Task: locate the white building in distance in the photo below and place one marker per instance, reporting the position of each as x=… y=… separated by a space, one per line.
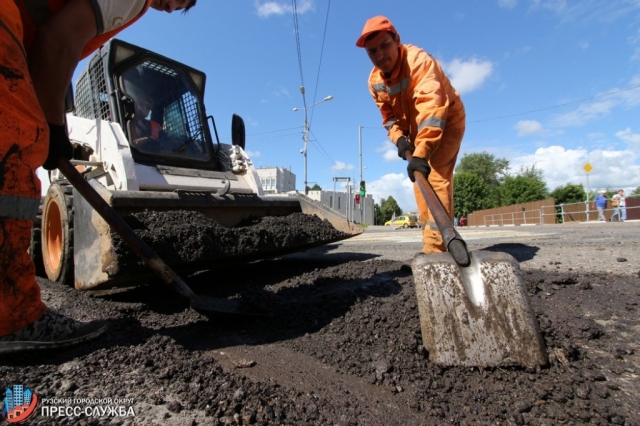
x=276 y=180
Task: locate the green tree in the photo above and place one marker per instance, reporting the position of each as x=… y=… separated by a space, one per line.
x=636 y=191
x=470 y=193
x=388 y=207
x=487 y=167
x=522 y=189
x=377 y=215
x=569 y=193
x=490 y=169
x=530 y=172
x=316 y=187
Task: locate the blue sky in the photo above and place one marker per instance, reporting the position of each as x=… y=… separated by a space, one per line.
x=553 y=83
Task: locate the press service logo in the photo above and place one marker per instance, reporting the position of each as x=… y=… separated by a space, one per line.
x=19 y=404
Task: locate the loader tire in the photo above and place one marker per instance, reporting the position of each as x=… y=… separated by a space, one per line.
x=35 y=245
x=57 y=232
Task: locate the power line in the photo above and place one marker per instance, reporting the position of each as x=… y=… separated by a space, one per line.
x=297 y=32
x=275 y=137
x=555 y=106
x=324 y=36
x=274 y=131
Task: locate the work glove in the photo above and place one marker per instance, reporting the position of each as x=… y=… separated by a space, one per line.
x=403 y=145
x=59 y=146
x=418 y=165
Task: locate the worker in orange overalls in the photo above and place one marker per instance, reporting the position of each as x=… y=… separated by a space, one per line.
x=41 y=43
x=421 y=111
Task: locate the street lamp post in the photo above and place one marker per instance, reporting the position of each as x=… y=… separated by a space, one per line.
x=363 y=201
x=305 y=132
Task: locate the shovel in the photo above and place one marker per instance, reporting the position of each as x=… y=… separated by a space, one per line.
x=474 y=308
x=202 y=304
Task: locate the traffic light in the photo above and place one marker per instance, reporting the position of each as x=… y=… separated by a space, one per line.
x=357 y=198
x=363 y=189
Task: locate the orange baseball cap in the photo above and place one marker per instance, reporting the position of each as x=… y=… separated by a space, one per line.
x=377 y=23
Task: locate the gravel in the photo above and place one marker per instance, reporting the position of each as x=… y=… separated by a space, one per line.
x=338 y=340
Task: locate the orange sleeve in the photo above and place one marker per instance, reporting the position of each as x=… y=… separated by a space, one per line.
x=95 y=43
x=431 y=103
x=388 y=117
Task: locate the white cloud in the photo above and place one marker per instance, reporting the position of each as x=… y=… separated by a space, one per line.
x=633 y=139
x=587 y=12
x=611 y=168
x=396 y=185
x=389 y=152
x=584 y=45
x=253 y=154
x=280 y=92
x=554 y=5
x=524 y=50
x=340 y=165
x=507 y=4
x=467 y=76
x=269 y=8
x=585 y=113
x=528 y=127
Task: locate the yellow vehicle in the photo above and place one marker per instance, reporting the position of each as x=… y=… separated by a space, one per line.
x=402 y=221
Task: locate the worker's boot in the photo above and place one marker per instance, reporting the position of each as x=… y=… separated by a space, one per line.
x=51 y=330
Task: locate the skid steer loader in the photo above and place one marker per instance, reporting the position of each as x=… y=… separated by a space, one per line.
x=142 y=138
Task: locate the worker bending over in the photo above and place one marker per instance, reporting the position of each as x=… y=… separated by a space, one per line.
x=41 y=43
x=422 y=113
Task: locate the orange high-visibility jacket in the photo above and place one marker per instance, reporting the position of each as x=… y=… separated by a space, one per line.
x=417 y=101
x=34 y=13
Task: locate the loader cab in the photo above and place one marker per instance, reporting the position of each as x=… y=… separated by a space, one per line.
x=157 y=101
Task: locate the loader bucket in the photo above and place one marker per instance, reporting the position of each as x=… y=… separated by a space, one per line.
x=98 y=264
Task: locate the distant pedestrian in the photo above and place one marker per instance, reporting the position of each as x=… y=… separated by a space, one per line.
x=619 y=204
x=455 y=221
x=600 y=203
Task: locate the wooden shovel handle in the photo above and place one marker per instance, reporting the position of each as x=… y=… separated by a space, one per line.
x=150 y=258
x=452 y=239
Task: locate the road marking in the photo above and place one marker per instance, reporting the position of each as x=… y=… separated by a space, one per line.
x=415 y=236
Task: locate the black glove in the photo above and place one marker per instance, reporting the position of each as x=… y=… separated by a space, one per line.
x=418 y=165
x=59 y=146
x=403 y=145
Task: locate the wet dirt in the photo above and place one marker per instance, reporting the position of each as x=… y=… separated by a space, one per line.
x=339 y=342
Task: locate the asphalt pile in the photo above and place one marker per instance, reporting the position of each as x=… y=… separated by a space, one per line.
x=340 y=344
x=186 y=237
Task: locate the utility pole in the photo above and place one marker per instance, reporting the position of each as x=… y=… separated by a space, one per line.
x=362 y=200
x=305 y=132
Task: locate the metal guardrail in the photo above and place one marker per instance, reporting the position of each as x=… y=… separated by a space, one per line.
x=571 y=212
x=585 y=213
x=526 y=217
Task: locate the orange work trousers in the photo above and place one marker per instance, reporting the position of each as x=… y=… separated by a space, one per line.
x=24 y=142
x=442 y=162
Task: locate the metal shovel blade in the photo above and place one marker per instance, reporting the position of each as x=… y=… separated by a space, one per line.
x=479 y=315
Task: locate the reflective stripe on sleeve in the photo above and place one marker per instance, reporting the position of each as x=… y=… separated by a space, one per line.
x=432 y=122
x=393 y=90
x=397 y=88
x=17 y=207
x=380 y=87
x=390 y=123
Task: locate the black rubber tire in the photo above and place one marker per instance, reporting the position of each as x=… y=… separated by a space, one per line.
x=57 y=233
x=35 y=245
x=405 y=226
